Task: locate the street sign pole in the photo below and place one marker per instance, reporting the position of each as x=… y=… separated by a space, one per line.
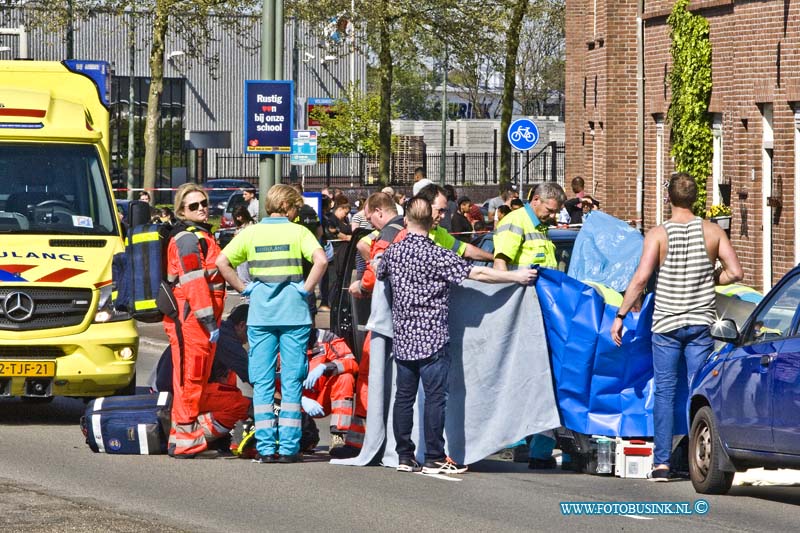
x=271 y=58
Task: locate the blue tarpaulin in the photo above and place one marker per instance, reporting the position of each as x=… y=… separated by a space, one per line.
x=607 y=250
x=601 y=388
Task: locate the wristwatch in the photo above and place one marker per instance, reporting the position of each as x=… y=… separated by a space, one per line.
x=622 y=316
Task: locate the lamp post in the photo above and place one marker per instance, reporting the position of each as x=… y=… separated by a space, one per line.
x=131 y=103
x=443 y=158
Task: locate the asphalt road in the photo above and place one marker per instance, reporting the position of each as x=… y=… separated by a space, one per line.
x=50 y=481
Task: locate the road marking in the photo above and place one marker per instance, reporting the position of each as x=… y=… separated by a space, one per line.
x=637 y=517
x=440 y=476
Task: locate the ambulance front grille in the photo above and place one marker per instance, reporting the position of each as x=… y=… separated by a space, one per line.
x=30 y=352
x=34 y=308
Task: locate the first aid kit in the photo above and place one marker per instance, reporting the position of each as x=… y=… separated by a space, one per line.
x=137 y=425
x=634 y=458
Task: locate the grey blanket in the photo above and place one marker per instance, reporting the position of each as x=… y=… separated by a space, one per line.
x=501 y=388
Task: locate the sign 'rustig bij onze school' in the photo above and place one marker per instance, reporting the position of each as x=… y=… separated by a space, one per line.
x=268 y=116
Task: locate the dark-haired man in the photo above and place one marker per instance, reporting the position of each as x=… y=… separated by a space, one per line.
x=249 y=197
x=437 y=198
x=685 y=249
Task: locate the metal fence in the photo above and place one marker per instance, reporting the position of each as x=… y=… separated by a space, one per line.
x=358 y=170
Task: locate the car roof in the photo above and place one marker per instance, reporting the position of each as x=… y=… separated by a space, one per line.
x=562 y=234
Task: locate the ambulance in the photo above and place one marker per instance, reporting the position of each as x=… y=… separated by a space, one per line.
x=60 y=334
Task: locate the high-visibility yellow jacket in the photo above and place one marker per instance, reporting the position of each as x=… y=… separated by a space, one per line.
x=524 y=240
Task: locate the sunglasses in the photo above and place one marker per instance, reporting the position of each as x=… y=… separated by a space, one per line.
x=194 y=206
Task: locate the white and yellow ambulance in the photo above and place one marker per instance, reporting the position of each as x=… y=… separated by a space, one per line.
x=59 y=230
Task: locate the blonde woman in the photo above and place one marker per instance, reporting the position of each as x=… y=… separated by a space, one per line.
x=279 y=319
x=193 y=332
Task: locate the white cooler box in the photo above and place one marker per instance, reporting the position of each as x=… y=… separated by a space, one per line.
x=634 y=458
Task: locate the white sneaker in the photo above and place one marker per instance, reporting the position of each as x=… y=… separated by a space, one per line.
x=337 y=441
x=448 y=466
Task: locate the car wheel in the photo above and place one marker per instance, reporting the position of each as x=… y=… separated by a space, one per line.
x=704 y=443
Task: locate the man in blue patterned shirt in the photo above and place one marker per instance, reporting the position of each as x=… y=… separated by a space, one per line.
x=420 y=273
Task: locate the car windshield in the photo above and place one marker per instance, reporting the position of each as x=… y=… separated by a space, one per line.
x=235 y=201
x=54 y=189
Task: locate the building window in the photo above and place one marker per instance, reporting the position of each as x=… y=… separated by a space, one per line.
x=767 y=157
x=796 y=182
x=661 y=198
x=585 y=83
x=716 y=159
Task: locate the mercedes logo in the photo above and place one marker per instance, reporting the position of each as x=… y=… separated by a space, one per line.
x=18 y=306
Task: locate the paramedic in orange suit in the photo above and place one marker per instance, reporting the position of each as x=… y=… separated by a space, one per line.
x=381 y=212
x=199 y=292
x=330 y=382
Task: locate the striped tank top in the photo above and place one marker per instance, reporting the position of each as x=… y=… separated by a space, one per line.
x=685 y=286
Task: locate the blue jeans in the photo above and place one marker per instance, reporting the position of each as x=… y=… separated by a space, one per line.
x=281 y=435
x=694 y=343
x=434 y=373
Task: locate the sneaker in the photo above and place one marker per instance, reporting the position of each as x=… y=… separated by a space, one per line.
x=543 y=464
x=337 y=441
x=345 y=452
x=409 y=464
x=447 y=466
x=288 y=459
x=266 y=459
x=659 y=474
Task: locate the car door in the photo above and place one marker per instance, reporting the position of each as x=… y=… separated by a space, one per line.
x=786 y=378
x=746 y=388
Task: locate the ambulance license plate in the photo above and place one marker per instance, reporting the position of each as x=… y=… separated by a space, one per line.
x=34 y=369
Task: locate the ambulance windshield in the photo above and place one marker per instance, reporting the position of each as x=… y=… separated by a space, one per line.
x=54 y=189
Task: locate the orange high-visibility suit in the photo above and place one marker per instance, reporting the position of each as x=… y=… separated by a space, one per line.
x=334 y=389
x=222 y=405
x=199 y=291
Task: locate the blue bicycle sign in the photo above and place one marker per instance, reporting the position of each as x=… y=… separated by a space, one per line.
x=523 y=134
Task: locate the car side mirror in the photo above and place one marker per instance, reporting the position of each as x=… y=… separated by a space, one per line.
x=725 y=330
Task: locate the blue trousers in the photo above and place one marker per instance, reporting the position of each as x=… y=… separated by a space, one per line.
x=278 y=435
x=434 y=373
x=694 y=343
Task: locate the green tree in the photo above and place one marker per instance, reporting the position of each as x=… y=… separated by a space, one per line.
x=690 y=83
x=541 y=64
x=413 y=98
x=509 y=85
x=351 y=126
x=398 y=30
x=192 y=21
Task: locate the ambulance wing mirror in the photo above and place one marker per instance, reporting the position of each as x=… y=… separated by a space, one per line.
x=138 y=213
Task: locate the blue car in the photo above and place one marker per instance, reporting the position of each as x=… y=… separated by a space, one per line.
x=744 y=409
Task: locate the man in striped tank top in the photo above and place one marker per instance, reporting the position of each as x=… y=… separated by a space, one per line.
x=684 y=250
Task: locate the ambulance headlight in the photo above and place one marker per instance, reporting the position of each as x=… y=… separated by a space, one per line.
x=105 y=308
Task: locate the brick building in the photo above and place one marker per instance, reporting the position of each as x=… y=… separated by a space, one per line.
x=755 y=111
